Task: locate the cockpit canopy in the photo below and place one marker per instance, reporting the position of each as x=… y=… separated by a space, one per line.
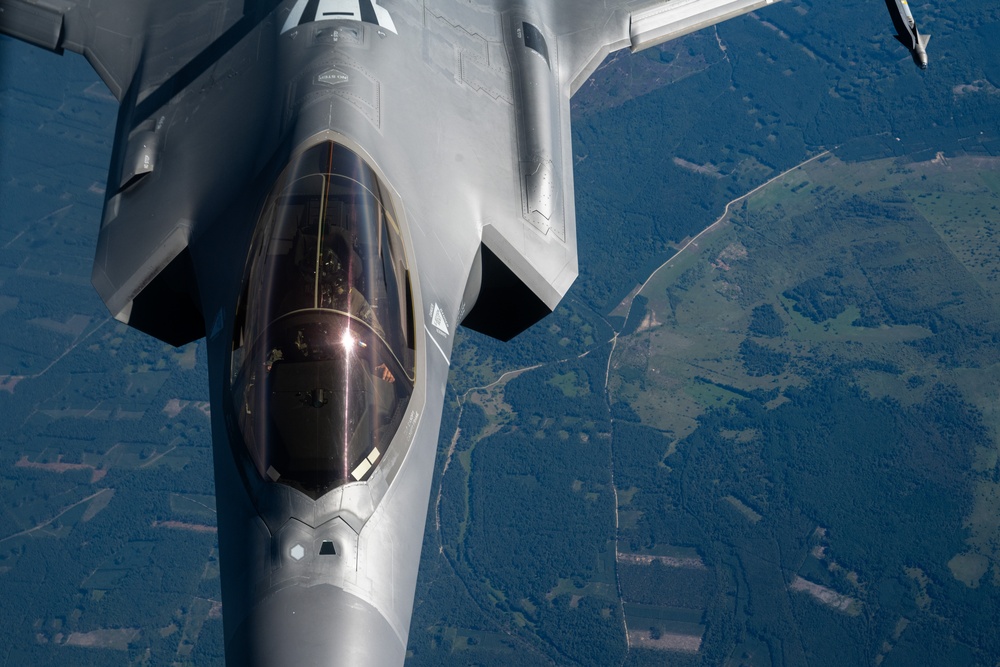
x=323 y=351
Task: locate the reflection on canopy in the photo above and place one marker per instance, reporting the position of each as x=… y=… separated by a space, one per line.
x=323 y=357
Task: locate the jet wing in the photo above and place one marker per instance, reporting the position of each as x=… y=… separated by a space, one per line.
x=104 y=37
x=517 y=65
x=517 y=68
x=591 y=29
x=116 y=36
x=147 y=53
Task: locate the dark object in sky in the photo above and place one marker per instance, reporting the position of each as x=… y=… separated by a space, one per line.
x=906 y=31
x=324 y=189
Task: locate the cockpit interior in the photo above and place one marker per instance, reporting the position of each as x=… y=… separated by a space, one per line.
x=323 y=350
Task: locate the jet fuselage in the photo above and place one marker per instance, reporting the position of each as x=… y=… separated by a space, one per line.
x=323 y=572
x=325 y=189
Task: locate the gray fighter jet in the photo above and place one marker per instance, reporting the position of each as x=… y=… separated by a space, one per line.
x=325 y=189
x=906 y=31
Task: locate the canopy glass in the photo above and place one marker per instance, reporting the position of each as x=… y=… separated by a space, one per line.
x=323 y=352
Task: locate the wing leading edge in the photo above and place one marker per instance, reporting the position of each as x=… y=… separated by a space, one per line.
x=669 y=20
x=591 y=29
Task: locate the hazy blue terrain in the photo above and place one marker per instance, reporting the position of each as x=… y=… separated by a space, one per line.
x=782 y=451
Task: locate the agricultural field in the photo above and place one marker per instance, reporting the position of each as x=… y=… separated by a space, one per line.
x=761 y=429
x=806 y=381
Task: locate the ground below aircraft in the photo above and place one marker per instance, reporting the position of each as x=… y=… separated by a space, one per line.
x=325 y=189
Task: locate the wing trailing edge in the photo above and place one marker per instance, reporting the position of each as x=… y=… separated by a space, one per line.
x=104 y=37
x=38 y=23
x=670 y=20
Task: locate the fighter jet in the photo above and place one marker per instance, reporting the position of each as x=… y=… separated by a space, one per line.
x=325 y=189
x=906 y=31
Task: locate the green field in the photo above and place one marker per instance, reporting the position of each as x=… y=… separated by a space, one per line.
x=785 y=454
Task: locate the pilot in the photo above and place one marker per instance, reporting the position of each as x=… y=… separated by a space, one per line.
x=340 y=270
x=384 y=395
x=382 y=371
x=273 y=357
x=301 y=344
